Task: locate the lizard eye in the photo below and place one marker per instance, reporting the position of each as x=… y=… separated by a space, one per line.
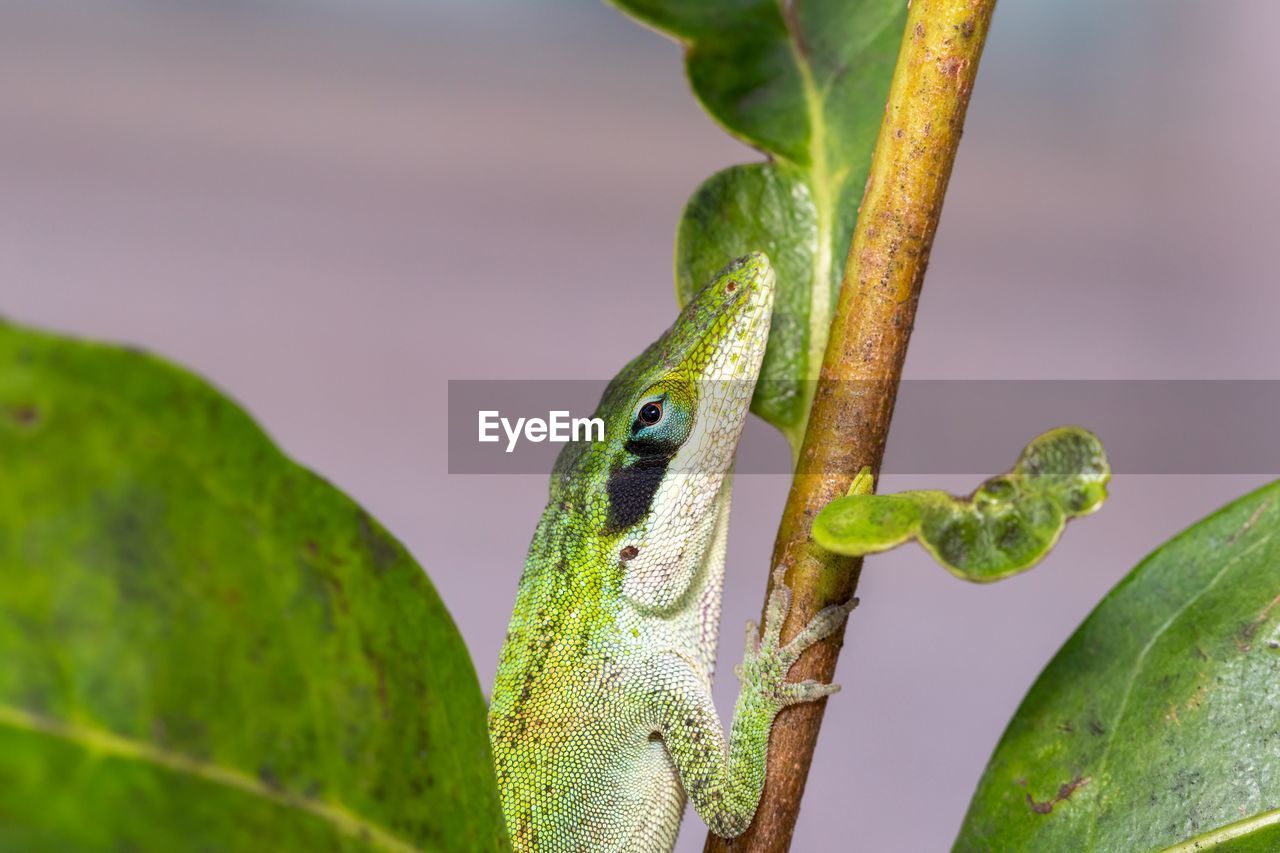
x=650 y=413
x=660 y=425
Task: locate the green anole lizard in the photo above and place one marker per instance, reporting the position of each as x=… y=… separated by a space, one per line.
x=601 y=719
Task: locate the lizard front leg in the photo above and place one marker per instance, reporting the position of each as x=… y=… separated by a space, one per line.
x=724 y=780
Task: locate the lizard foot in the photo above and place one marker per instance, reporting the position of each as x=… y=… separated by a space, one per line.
x=767 y=661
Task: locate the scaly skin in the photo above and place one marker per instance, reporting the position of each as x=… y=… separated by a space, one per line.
x=601 y=718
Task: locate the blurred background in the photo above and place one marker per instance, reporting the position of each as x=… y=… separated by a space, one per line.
x=332 y=208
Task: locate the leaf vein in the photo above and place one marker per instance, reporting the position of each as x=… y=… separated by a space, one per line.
x=1141 y=661
x=1230 y=832
x=104 y=742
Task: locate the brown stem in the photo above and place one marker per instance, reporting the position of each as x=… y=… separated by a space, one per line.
x=853 y=405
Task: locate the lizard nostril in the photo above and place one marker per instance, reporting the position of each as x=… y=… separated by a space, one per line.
x=731 y=286
x=628 y=553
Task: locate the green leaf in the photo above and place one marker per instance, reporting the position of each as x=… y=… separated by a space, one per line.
x=204 y=645
x=1006 y=526
x=805 y=82
x=1157 y=726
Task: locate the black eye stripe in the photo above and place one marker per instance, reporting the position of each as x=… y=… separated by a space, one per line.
x=651 y=451
x=631 y=490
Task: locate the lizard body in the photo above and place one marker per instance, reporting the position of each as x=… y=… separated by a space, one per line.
x=601 y=719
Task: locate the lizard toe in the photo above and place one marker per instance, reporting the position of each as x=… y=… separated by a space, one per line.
x=776 y=614
x=824 y=623
x=807 y=691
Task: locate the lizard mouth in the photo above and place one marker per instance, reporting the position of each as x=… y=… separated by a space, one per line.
x=733 y=345
x=724 y=361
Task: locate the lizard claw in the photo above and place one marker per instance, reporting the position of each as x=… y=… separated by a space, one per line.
x=768 y=661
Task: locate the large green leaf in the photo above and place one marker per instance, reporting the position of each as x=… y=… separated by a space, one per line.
x=1158 y=723
x=205 y=646
x=804 y=81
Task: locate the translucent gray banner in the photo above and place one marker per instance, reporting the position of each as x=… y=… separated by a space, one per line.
x=940 y=427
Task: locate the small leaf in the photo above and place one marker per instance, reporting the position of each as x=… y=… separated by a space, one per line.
x=1008 y=525
x=204 y=644
x=1157 y=726
x=805 y=82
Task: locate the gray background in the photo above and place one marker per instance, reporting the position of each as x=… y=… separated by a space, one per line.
x=330 y=209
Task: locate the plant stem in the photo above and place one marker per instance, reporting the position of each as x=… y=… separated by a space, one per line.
x=862 y=366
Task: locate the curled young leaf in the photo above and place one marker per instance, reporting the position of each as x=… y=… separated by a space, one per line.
x=1008 y=525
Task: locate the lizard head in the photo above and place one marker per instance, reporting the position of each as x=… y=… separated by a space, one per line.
x=672 y=421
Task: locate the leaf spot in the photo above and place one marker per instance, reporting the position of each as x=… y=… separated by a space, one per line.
x=1064 y=793
x=1245 y=642
x=1244 y=528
